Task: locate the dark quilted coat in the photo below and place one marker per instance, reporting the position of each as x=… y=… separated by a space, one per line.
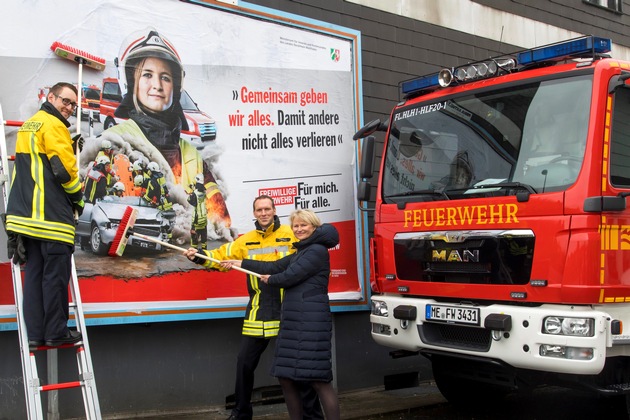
x=303 y=348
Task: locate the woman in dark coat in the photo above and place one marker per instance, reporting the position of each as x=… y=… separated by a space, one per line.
x=303 y=347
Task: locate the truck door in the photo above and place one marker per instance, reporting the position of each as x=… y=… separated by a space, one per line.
x=615 y=224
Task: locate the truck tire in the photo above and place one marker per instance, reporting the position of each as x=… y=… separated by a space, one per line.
x=109 y=123
x=461 y=390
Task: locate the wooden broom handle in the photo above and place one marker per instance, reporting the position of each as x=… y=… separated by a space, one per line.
x=205 y=257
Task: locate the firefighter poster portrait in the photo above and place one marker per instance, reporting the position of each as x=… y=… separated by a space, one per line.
x=196 y=109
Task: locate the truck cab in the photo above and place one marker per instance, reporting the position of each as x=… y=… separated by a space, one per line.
x=90 y=102
x=501 y=230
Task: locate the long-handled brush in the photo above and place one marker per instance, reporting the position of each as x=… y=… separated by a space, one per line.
x=81 y=58
x=125 y=230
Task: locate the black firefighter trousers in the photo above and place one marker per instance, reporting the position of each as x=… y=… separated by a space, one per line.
x=46 y=277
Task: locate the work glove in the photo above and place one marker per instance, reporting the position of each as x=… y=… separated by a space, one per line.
x=77 y=141
x=78 y=206
x=16 y=251
x=15 y=248
x=198 y=260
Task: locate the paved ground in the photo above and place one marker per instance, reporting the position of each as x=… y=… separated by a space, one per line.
x=372 y=403
x=424 y=402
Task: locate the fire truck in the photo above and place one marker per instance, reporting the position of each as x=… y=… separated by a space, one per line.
x=501 y=242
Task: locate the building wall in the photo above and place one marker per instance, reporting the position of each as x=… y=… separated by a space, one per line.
x=185 y=365
x=180 y=366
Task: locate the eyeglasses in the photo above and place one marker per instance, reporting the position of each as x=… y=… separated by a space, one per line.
x=67 y=101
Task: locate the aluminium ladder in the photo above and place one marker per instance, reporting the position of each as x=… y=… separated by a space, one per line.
x=32 y=386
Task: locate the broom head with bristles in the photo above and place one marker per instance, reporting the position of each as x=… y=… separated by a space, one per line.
x=78 y=56
x=122 y=234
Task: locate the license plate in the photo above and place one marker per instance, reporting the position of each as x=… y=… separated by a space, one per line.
x=143 y=244
x=452 y=314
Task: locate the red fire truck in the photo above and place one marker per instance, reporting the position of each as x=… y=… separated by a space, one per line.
x=501 y=243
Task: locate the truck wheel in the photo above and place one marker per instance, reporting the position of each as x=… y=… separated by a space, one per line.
x=109 y=123
x=464 y=391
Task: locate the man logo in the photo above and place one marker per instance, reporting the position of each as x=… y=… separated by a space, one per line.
x=454 y=255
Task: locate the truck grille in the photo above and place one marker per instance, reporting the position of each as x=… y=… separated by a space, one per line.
x=484 y=257
x=456 y=337
x=208 y=131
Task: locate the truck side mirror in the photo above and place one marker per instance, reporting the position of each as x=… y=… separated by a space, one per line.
x=367 y=129
x=367 y=158
x=364 y=191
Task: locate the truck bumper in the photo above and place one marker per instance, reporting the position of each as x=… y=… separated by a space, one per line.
x=511 y=334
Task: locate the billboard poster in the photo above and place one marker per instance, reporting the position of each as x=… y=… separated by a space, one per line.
x=251 y=101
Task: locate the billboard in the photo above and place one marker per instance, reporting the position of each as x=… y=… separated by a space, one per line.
x=265 y=103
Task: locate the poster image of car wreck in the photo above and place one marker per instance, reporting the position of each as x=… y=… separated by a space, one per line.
x=200 y=102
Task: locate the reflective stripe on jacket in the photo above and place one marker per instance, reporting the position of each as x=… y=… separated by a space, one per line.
x=45 y=181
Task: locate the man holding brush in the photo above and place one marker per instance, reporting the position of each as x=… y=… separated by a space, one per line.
x=270 y=241
x=45 y=193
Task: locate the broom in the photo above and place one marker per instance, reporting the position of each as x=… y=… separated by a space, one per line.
x=125 y=230
x=81 y=58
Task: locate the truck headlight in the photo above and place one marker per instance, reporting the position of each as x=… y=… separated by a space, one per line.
x=557 y=325
x=379 y=308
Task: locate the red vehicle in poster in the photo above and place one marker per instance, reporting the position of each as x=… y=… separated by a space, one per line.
x=202 y=128
x=501 y=227
x=90 y=102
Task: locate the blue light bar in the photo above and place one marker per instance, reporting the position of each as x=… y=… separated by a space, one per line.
x=556 y=52
x=421 y=83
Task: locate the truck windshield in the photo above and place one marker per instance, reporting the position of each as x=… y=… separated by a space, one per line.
x=187 y=103
x=496 y=142
x=92 y=94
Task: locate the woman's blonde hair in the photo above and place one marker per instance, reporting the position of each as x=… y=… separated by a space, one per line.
x=307 y=215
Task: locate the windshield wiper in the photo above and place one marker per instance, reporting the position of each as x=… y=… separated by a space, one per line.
x=521 y=196
x=520 y=185
x=439 y=193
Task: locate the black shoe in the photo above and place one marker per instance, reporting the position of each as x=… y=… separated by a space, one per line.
x=35 y=343
x=71 y=338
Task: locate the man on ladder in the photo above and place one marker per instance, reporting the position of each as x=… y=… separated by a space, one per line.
x=45 y=193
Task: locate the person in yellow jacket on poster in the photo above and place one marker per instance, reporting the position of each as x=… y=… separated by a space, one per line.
x=270 y=241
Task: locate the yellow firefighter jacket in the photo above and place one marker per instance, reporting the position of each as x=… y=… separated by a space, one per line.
x=45 y=181
x=262 y=317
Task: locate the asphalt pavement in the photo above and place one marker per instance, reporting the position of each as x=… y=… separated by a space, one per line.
x=424 y=402
x=364 y=404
